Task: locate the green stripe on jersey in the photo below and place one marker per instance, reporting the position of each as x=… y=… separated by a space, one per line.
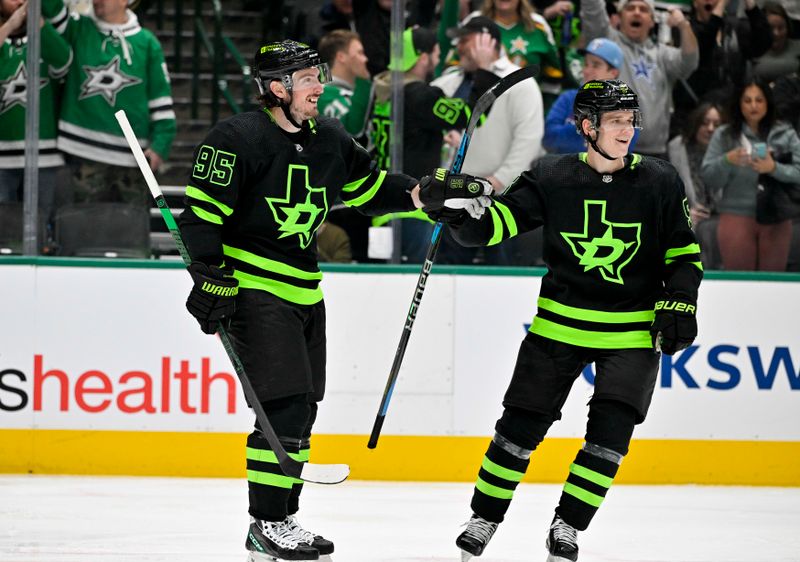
x=287 y=292
x=635 y=339
x=195 y=193
x=595 y=315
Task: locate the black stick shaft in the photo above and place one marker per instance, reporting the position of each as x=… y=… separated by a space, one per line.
x=483 y=103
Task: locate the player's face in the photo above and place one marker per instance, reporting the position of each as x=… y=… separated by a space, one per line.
x=306 y=90
x=615 y=133
x=636 y=20
x=595 y=68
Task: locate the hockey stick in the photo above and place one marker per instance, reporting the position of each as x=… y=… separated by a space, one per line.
x=483 y=103
x=317 y=473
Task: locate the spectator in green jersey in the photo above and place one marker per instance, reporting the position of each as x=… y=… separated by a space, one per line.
x=118 y=65
x=56 y=55
x=347 y=95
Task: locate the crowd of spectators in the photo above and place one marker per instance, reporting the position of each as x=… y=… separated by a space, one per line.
x=695 y=67
x=717 y=81
x=94 y=65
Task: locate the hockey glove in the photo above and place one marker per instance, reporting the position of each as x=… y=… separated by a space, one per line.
x=213 y=297
x=454 y=191
x=675 y=325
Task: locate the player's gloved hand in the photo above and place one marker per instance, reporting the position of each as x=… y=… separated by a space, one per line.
x=675 y=325
x=454 y=191
x=213 y=297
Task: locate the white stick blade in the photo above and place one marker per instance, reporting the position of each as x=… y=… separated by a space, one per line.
x=325 y=473
x=133 y=143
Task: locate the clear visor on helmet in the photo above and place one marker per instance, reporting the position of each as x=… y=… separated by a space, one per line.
x=621 y=120
x=310 y=77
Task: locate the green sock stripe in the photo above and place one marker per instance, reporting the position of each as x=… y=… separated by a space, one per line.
x=494 y=491
x=501 y=472
x=591 y=475
x=265 y=455
x=269 y=479
x=587 y=497
x=303 y=455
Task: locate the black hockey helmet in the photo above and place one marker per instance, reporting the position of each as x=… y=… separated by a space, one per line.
x=280 y=59
x=600 y=96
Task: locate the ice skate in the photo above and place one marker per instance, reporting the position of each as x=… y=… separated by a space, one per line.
x=562 y=542
x=270 y=541
x=323 y=545
x=474 y=539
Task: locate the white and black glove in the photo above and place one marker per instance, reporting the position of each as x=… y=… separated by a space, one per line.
x=451 y=197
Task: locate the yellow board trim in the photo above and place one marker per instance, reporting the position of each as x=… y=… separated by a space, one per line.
x=400 y=458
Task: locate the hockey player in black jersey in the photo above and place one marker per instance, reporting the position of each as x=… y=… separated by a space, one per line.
x=261 y=185
x=621 y=287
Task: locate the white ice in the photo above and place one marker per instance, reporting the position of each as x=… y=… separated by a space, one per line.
x=99 y=519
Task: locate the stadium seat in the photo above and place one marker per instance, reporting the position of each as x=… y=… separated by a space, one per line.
x=111 y=230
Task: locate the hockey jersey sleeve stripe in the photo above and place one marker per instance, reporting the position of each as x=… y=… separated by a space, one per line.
x=162 y=115
x=697 y=264
x=156 y=103
x=206 y=216
x=60 y=20
x=635 y=339
x=196 y=193
x=508 y=218
x=595 y=315
x=270 y=265
x=497 y=227
x=369 y=193
x=675 y=252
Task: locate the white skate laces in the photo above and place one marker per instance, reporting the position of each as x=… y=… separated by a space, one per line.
x=564 y=532
x=280 y=533
x=480 y=529
x=301 y=534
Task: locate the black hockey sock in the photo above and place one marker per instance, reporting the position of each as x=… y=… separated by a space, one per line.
x=269 y=489
x=501 y=471
x=590 y=477
x=293 y=503
x=305 y=450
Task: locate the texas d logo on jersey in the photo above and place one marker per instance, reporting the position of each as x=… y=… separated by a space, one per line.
x=604 y=246
x=301 y=218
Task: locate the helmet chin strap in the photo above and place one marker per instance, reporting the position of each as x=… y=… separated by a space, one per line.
x=600 y=151
x=288 y=113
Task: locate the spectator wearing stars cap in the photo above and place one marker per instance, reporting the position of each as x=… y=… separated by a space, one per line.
x=650 y=68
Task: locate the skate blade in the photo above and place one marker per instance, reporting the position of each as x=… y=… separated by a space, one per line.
x=258 y=557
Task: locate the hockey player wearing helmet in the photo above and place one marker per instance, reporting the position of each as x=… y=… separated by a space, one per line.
x=621 y=287
x=261 y=186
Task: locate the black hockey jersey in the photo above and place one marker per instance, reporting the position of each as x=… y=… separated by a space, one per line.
x=613 y=245
x=256 y=198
